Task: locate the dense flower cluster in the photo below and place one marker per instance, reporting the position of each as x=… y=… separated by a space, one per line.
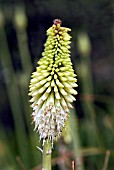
x=51 y=85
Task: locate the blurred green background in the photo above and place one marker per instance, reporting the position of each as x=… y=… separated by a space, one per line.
x=89 y=138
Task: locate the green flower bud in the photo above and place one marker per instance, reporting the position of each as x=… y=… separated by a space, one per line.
x=51 y=85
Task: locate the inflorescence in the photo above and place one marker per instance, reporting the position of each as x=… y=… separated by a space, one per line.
x=52 y=84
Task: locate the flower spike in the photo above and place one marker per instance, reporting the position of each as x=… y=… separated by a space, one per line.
x=51 y=85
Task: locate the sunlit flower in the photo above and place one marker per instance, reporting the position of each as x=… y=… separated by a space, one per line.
x=52 y=84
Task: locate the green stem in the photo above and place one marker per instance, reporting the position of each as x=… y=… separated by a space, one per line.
x=47 y=156
x=87 y=88
x=14 y=97
x=76 y=139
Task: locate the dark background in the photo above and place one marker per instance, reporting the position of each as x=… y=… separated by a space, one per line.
x=23 y=26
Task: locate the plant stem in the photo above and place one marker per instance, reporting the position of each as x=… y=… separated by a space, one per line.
x=14 y=97
x=47 y=156
x=76 y=140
